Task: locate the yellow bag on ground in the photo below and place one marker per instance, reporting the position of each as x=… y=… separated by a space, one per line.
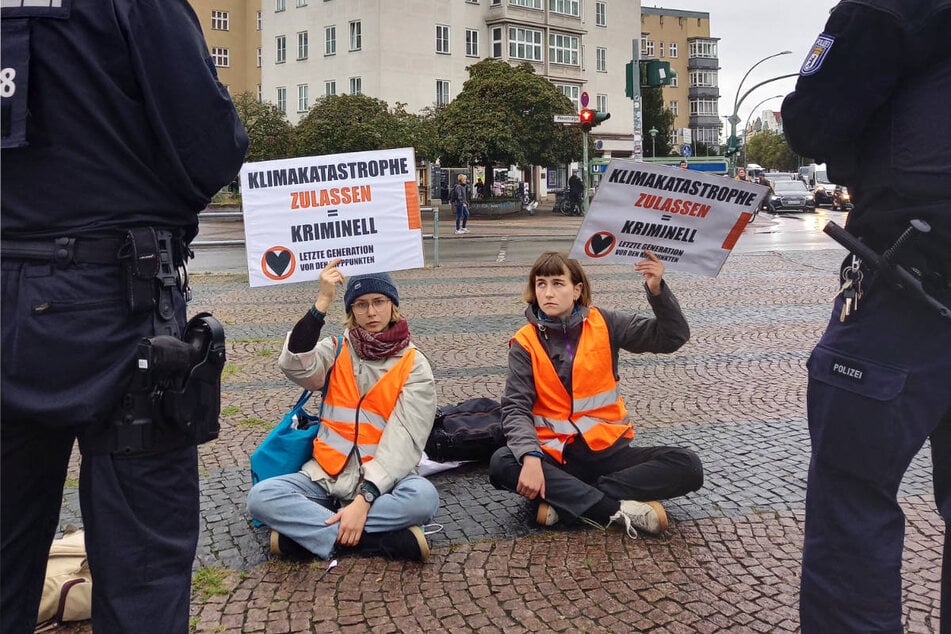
x=67 y=592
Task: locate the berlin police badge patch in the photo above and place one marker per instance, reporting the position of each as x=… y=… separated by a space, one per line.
x=817 y=54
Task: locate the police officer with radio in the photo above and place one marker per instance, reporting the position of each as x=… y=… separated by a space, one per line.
x=871 y=101
x=115 y=134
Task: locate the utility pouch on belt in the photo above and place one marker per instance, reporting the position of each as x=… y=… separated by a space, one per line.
x=174 y=396
x=148 y=271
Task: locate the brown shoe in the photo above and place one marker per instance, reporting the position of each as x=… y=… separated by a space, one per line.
x=283 y=546
x=546 y=515
x=649 y=517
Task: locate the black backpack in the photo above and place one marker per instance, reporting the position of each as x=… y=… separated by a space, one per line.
x=471 y=430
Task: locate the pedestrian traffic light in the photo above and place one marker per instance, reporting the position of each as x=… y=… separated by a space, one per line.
x=655 y=73
x=592 y=118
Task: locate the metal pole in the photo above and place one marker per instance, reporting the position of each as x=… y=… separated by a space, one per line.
x=734 y=119
x=638 y=153
x=587 y=179
x=746 y=126
x=435 y=235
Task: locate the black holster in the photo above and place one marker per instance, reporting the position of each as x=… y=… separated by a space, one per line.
x=174 y=394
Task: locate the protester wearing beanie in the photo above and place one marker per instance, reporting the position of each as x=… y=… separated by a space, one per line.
x=360 y=488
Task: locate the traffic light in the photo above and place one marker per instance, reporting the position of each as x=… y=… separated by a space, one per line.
x=655 y=73
x=733 y=146
x=592 y=118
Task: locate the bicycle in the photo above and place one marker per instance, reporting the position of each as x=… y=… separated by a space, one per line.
x=566 y=205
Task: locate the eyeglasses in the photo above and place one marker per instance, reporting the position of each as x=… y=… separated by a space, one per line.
x=363 y=306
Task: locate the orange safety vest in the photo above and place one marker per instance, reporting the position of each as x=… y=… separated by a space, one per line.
x=595 y=409
x=350 y=422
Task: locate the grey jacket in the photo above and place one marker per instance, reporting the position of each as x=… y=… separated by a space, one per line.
x=666 y=332
x=404 y=437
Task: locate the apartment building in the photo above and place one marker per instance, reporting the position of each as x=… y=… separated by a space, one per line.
x=232 y=31
x=683 y=39
x=416 y=51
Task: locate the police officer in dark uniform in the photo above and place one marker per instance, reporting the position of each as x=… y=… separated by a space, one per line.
x=872 y=102
x=115 y=134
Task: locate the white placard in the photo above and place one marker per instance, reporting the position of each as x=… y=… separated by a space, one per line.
x=301 y=213
x=689 y=219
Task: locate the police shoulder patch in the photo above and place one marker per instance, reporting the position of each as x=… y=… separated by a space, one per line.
x=817 y=54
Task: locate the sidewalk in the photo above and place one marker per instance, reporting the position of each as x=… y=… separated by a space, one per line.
x=735 y=394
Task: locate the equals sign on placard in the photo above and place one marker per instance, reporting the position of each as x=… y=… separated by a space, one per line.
x=666 y=217
x=333 y=213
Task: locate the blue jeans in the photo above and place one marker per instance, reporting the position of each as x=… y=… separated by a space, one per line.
x=462 y=215
x=297 y=507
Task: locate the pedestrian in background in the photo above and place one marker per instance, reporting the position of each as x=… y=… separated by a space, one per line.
x=360 y=487
x=459 y=197
x=568 y=436
x=116 y=133
x=879 y=378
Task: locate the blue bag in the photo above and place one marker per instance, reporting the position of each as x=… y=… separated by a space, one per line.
x=290 y=444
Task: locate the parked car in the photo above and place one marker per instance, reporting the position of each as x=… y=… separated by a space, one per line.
x=792 y=196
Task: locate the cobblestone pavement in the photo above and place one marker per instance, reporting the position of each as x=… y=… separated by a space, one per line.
x=735 y=393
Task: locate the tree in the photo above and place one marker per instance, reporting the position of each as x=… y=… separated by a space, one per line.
x=655 y=115
x=353 y=123
x=503 y=116
x=770 y=150
x=270 y=134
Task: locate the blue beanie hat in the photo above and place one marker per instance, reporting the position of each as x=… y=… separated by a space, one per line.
x=359 y=285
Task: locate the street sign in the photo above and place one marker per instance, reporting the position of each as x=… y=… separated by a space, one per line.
x=584 y=100
x=599 y=144
x=686 y=150
x=566 y=118
x=598 y=168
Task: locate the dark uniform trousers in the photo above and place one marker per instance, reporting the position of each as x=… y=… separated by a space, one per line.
x=879 y=387
x=68 y=340
x=622 y=472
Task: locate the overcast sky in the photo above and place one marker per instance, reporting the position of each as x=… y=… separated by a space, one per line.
x=748 y=32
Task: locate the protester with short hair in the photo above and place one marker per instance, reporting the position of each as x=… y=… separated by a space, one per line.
x=569 y=441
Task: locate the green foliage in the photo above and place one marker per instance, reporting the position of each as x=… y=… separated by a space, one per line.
x=656 y=115
x=270 y=134
x=356 y=123
x=503 y=116
x=209 y=582
x=770 y=150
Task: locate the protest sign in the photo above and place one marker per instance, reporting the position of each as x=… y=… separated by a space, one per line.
x=301 y=213
x=689 y=219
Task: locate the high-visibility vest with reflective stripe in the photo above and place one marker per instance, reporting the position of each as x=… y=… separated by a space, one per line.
x=352 y=422
x=595 y=409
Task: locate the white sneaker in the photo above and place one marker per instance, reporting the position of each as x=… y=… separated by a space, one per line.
x=649 y=517
x=464 y=230
x=546 y=515
x=459 y=231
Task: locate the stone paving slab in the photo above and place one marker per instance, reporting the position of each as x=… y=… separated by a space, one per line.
x=735 y=394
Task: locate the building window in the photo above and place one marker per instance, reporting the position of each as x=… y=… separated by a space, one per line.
x=303 y=98
x=602 y=103
x=525 y=44
x=472 y=43
x=260 y=94
x=260 y=20
x=531 y=4
x=330 y=88
x=330 y=40
x=703 y=78
x=647 y=48
x=442 y=92
x=356 y=86
x=280 y=5
x=442 y=38
x=601 y=59
x=302 y=45
x=563 y=49
x=356 y=36
x=302 y=3
x=674 y=108
x=600 y=14
x=703 y=48
x=220 y=21
x=472 y=1
x=660 y=49
x=281 y=55
x=672 y=49
x=674 y=81
x=221 y=57
x=573 y=93
x=260 y=57
x=497 y=43
x=566 y=7
x=703 y=107
x=282 y=99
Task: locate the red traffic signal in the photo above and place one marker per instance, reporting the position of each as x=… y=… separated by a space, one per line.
x=587 y=119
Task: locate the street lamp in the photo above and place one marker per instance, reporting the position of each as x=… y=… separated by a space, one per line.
x=746 y=126
x=733 y=118
x=653 y=133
